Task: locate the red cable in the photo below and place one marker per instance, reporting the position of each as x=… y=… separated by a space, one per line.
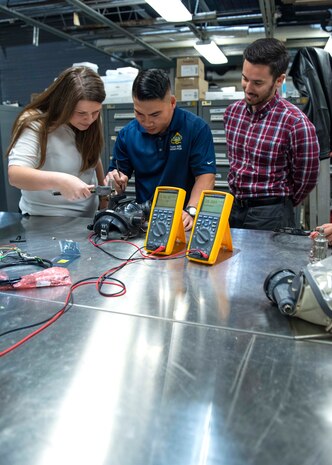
x=53 y=319
x=74 y=286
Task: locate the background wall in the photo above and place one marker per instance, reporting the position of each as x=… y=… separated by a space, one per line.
x=27 y=69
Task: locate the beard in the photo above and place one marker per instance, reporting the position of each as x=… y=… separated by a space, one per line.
x=254 y=100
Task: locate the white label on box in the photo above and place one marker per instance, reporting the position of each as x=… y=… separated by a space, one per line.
x=189 y=94
x=189 y=70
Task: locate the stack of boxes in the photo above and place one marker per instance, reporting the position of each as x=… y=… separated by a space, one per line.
x=118 y=84
x=189 y=82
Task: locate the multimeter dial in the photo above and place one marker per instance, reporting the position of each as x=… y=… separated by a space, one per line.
x=203 y=236
x=205 y=232
x=159 y=229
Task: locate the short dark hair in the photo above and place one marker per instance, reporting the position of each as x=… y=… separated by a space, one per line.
x=151 y=84
x=269 y=51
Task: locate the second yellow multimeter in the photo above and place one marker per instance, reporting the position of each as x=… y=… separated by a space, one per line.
x=211 y=229
x=165 y=222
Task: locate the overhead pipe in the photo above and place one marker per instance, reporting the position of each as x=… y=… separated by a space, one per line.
x=99 y=17
x=268 y=11
x=63 y=35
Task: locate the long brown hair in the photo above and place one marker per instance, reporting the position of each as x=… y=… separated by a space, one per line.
x=55 y=107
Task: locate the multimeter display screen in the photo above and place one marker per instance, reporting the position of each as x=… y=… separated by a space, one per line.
x=166 y=200
x=213 y=204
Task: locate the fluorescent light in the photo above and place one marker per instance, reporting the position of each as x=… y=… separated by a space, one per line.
x=328 y=46
x=211 y=51
x=76 y=19
x=172 y=11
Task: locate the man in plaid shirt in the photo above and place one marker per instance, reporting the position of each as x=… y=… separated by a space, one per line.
x=272 y=146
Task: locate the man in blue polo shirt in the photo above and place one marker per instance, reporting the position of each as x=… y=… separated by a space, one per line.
x=164 y=146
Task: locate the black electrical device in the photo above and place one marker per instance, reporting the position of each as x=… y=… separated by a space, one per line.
x=123 y=219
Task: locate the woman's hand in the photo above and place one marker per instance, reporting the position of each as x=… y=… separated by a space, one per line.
x=72 y=188
x=31 y=179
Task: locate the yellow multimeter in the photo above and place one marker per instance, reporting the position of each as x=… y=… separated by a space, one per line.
x=165 y=222
x=211 y=229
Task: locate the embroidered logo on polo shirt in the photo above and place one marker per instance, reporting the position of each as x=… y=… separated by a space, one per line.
x=176 y=139
x=176 y=142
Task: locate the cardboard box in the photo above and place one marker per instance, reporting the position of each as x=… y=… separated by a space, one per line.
x=191 y=88
x=117 y=91
x=190 y=67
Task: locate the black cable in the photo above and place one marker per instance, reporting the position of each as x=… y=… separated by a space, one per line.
x=111 y=294
x=128 y=260
x=105 y=251
x=41 y=262
x=70 y=302
x=67 y=307
x=39 y=323
x=33 y=325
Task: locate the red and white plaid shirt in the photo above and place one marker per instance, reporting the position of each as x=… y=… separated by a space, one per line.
x=272 y=152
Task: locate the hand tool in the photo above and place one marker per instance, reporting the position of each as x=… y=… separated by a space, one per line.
x=98 y=190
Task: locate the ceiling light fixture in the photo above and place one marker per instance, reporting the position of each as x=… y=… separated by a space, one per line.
x=328 y=46
x=172 y=11
x=76 y=19
x=210 y=50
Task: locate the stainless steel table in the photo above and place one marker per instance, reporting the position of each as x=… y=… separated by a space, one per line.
x=192 y=366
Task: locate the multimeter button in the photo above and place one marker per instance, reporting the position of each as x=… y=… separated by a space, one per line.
x=159 y=229
x=203 y=235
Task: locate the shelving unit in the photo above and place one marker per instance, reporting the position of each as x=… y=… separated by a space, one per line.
x=116 y=116
x=9 y=196
x=212 y=111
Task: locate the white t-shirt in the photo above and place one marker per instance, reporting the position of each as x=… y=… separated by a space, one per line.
x=61 y=156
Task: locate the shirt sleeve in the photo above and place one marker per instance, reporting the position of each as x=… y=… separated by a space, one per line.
x=26 y=151
x=203 y=158
x=305 y=167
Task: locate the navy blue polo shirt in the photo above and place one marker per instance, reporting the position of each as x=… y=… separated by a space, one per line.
x=173 y=158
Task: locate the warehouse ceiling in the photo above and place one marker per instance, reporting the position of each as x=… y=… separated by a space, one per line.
x=131 y=32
